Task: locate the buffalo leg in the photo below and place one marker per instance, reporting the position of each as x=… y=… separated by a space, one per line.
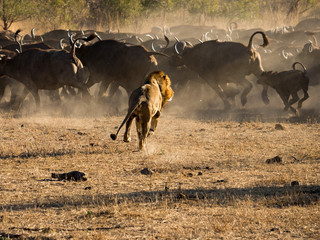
x=264 y=94
x=103 y=88
x=31 y=86
x=82 y=86
x=85 y=93
x=34 y=92
x=91 y=82
x=285 y=99
x=114 y=88
x=285 y=102
x=19 y=99
x=221 y=94
x=54 y=96
x=230 y=92
x=247 y=88
x=70 y=90
x=305 y=97
x=2 y=88
x=294 y=99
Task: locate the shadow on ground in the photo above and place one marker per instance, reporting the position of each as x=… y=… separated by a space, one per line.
x=252 y=114
x=277 y=197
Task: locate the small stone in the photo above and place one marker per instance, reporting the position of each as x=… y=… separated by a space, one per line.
x=70 y=176
x=200 y=173
x=275 y=230
x=220 y=181
x=276 y=159
x=146 y=171
x=278 y=126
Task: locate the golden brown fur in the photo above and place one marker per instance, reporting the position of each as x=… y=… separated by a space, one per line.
x=145 y=105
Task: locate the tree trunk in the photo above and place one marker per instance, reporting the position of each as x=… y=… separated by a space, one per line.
x=293 y=13
x=4 y=17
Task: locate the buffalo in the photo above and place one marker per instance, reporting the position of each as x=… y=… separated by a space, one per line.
x=220 y=63
x=111 y=61
x=288 y=83
x=45 y=69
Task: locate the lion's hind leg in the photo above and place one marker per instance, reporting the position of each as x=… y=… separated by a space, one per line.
x=154 y=123
x=127 y=133
x=143 y=123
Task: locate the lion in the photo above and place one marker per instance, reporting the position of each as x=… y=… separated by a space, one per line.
x=145 y=105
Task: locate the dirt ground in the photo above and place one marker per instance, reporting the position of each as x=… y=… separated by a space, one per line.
x=209 y=174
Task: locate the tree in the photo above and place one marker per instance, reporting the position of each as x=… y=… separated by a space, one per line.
x=13 y=11
x=57 y=13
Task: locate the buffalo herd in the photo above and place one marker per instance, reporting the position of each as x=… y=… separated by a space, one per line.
x=230 y=61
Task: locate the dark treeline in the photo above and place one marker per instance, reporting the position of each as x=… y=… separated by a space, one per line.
x=117 y=14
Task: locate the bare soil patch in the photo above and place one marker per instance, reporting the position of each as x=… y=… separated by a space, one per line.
x=208 y=178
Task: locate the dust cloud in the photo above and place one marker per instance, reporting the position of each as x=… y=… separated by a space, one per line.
x=195 y=99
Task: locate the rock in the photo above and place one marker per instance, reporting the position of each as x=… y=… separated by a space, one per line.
x=278 y=126
x=221 y=180
x=276 y=159
x=70 y=176
x=277 y=230
x=146 y=171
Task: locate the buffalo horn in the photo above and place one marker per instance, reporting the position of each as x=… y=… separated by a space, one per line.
x=284 y=54
x=32 y=34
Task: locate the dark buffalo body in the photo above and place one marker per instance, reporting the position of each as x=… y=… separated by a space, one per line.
x=44 y=69
x=288 y=83
x=220 y=63
x=311 y=59
x=115 y=62
x=24 y=47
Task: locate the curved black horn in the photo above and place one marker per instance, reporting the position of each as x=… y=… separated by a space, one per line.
x=18 y=41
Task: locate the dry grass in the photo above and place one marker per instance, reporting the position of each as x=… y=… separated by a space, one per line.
x=210 y=180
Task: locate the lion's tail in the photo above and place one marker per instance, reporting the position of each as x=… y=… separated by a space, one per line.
x=130 y=111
